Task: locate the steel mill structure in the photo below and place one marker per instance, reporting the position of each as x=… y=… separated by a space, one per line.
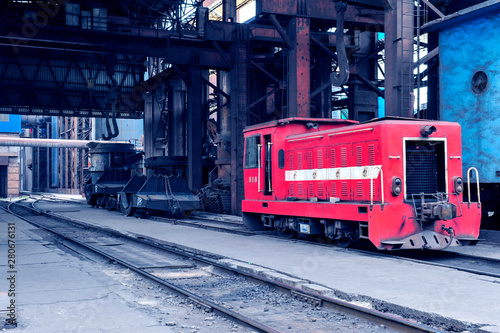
x=195 y=73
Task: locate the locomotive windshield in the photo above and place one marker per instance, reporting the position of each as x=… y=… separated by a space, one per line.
x=251 y=152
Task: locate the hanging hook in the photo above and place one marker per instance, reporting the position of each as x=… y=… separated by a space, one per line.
x=341 y=78
x=113 y=98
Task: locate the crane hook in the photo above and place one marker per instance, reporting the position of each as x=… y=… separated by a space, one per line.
x=115 y=132
x=341 y=78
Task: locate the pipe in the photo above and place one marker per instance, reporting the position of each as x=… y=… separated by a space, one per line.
x=50 y=143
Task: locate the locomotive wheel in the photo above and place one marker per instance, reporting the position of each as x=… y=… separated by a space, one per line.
x=343 y=242
x=290 y=234
x=126 y=205
x=91 y=198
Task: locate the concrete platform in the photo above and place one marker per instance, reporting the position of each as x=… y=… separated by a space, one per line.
x=57 y=292
x=380 y=282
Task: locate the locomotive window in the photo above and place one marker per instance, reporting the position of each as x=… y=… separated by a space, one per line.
x=281 y=158
x=251 y=152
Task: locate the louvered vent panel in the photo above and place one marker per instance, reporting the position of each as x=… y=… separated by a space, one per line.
x=320 y=159
x=321 y=189
x=290 y=161
x=343 y=157
x=299 y=161
x=345 y=189
x=333 y=192
x=371 y=154
x=300 y=189
x=359 y=156
x=332 y=157
x=359 y=189
x=291 y=192
x=310 y=159
x=311 y=190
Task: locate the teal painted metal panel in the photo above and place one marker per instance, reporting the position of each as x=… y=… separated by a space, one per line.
x=466 y=48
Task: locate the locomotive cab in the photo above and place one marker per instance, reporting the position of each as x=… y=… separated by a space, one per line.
x=395 y=182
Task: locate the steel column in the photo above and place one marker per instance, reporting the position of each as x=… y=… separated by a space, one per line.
x=299 y=73
x=363 y=101
x=433 y=81
x=321 y=85
x=195 y=121
x=229 y=10
x=152 y=120
x=224 y=124
x=239 y=107
x=399 y=33
x=177 y=118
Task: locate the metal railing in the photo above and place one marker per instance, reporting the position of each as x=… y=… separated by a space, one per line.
x=381 y=184
x=477 y=184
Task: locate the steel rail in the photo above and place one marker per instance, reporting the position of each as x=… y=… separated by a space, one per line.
x=208 y=305
x=457 y=268
x=380 y=254
x=371 y=315
x=203 y=226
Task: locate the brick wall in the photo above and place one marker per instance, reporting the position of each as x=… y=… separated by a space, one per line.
x=13 y=178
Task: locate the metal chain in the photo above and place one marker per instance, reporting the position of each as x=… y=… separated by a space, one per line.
x=167 y=185
x=168 y=190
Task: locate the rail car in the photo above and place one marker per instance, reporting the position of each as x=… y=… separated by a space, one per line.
x=117 y=183
x=394 y=182
x=165 y=190
x=111 y=167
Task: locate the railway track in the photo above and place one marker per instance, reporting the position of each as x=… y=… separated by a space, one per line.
x=255 y=302
x=448 y=259
x=478 y=265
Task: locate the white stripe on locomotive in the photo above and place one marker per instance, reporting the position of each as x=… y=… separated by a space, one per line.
x=349 y=173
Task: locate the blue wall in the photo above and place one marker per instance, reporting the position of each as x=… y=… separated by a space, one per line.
x=464 y=49
x=11 y=126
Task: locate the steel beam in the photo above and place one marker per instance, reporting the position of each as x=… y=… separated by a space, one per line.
x=281 y=31
x=299 y=73
x=195 y=120
x=173 y=48
x=355 y=16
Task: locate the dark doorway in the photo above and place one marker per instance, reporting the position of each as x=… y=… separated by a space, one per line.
x=3 y=181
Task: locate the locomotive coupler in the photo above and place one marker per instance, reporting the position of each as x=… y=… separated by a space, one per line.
x=437 y=210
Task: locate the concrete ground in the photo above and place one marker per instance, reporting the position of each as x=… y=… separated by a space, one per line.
x=382 y=282
x=57 y=292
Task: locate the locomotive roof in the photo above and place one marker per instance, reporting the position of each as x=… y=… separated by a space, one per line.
x=374 y=121
x=298 y=120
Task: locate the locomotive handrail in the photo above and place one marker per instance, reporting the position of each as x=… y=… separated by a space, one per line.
x=259 y=146
x=381 y=184
x=306 y=138
x=353 y=131
x=269 y=164
x=477 y=183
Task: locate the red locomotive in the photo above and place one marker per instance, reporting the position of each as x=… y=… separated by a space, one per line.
x=395 y=182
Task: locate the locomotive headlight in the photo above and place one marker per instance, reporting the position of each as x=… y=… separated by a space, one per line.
x=459 y=185
x=397 y=185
